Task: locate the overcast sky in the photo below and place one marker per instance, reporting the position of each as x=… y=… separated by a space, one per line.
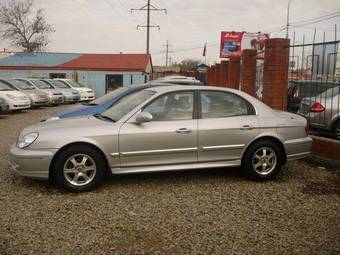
x=96 y=26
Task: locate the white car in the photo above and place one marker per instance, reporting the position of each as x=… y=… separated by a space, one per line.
x=86 y=94
x=15 y=99
x=180 y=80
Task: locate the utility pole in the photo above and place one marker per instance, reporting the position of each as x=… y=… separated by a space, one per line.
x=287 y=24
x=167 y=45
x=148 y=8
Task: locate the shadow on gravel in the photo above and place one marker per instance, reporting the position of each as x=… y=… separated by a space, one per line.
x=327 y=187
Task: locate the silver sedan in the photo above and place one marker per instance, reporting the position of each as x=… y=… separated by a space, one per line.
x=161 y=129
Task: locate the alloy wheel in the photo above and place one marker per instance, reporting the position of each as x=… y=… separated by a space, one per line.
x=264 y=160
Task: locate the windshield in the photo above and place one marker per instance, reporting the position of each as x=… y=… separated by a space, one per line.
x=22 y=85
x=5 y=87
x=75 y=84
x=60 y=84
x=109 y=96
x=127 y=104
x=331 y=92
x=42 y=84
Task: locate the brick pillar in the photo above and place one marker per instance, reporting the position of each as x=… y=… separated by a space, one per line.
x=224 y=73
x=217 y=74
x=208 y=76
x=213 y=71
x=275 y=73
x=234 y=73
x=248 y=71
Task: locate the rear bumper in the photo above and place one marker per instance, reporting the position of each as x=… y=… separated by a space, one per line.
x=31 y=163
x=298 y=148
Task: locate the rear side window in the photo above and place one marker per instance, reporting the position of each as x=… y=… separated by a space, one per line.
x=216 y=104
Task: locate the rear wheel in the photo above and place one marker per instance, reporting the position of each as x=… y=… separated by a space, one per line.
x=262 y=160
x=79 y=168
x=336 y=130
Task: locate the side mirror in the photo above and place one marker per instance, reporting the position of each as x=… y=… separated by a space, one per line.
x=143 y=117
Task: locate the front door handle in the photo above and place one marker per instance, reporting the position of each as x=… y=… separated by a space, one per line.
x=246 y=127
x=183 y=130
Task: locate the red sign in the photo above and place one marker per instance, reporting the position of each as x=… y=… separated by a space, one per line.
x=232 y=43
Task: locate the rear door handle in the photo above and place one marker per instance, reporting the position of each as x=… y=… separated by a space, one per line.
x=183 y=130
x=246 y=127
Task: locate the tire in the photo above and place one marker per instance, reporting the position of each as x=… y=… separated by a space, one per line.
x=79 y=168
x=336 y=130
x=268 y=166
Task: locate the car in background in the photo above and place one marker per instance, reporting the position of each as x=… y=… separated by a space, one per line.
x=100 y=104
x=86 y=94
x=163 y=128
x=297 y=90
x=4 y=107
x=14 y=98
x=323 y=111
x=55 y=96
x=70 y=95
x=37 y=97
x=180 y=80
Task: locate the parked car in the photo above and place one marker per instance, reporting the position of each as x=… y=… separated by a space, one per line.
x=86 y=94
x=159 y=129
x=54 y=96
x=301 y=89
x=98 y=105
x=37 y=97
x=4 y=107
x=180 y=80
x=323 y=111
x=14 y=98
x=70 y=95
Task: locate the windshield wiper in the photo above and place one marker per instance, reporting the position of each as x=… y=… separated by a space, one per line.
x=103 y=117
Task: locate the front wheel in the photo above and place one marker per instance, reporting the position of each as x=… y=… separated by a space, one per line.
x=336 y=130
x=262 y=160
x=79 y=168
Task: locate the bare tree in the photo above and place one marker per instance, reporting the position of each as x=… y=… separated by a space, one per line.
x=22 y=27
x=188 y=64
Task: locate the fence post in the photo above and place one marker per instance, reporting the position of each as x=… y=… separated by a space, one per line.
x=224 y=73
x=217 y=74
x=234 y=73
x=248 y=71
x=275 y=73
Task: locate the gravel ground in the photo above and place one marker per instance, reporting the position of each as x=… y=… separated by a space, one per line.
x=190 y=212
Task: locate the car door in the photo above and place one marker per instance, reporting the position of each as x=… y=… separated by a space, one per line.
x=227 y=123
x=169 y=138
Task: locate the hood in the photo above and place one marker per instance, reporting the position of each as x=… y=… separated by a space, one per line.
x=13 y=92
x=68 y=110
x=66 y=125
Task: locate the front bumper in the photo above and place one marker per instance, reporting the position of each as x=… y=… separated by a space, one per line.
x=86 y=97
x=56 y=99
x=31 y=163
x=19 y=105
x=39 y=102
x=4 y=108
x=298 y=148
x=73 y=98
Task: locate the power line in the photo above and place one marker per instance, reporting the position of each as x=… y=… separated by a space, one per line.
x=116 y=11
x=148 y=8
x=317 y=19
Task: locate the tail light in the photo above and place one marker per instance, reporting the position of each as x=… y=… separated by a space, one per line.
x=306 y=130
x=317 y=107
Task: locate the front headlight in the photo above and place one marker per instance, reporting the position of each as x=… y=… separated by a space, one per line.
x=53 y=118
x=11 y=97
x=27 y=140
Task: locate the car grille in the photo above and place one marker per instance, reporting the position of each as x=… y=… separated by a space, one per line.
x=57 y=94
x=74 y=93
x=42 y=96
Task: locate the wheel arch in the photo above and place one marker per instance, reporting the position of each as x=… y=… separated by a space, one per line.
x=51 y=168
x=271 y=139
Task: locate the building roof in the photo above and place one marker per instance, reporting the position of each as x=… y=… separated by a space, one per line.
x=76 y=61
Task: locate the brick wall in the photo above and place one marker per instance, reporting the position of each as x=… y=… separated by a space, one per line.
x=224 y=73
x=275 y=73
x=248 y=72
x=233 y=79
x=326 y=147
x=218 y=75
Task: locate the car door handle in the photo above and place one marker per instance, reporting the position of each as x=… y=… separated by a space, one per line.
x=183 y=130
x=246 y=127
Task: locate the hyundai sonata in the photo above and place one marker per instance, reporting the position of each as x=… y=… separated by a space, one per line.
x=161 y=129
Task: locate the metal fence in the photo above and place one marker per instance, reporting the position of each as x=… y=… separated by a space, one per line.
x=314 y=85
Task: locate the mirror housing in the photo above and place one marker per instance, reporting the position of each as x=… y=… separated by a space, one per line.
x=143 y=117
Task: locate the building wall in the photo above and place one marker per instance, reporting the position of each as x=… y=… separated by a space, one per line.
x=92 y=79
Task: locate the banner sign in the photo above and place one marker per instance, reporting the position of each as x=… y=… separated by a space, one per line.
x=232 y=43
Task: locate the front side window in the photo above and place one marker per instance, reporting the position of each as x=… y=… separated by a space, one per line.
x=216 y=104
x=172 y=106
x=22 y=85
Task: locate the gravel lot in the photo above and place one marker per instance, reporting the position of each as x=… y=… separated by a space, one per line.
x=191 y=212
